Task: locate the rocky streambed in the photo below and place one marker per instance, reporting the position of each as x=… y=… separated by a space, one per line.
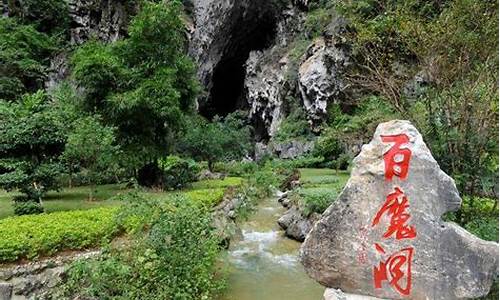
x=264 y=264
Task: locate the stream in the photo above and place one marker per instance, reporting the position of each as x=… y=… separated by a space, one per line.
x=264 y=264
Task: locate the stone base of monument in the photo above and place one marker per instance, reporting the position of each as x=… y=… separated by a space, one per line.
x=334 y=294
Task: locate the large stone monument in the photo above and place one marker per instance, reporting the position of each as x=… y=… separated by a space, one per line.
x=384 y=236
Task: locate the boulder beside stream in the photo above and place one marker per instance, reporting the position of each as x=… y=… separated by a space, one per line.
x=384 y=236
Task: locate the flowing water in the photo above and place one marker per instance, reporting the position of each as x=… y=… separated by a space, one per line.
x=264 y=264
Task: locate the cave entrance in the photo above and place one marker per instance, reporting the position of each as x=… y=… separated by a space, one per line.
x=255 y=29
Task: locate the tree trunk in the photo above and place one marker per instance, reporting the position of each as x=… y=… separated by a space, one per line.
x=91 y=193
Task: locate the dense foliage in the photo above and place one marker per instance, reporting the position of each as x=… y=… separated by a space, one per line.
x=24 y=57
x=32 y=136
x=174 y=259
x=143 y=85
x=221 y=140
x=90 y=148
x=432 y=62
x=177 y=172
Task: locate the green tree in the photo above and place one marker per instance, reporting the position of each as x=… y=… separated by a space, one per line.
x=32 y=136
x=50 y=16
x=90 y=148
x=216 y=141
x=24 y=58
x=143 y=85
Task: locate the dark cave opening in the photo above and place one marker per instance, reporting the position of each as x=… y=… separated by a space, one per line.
x=252 y=31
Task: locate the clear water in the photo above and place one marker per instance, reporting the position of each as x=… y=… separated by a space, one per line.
x=264 y=265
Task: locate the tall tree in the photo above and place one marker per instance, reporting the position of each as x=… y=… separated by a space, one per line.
x=144 y=85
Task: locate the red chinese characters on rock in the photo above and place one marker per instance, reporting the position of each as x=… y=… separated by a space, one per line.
x=395 y=205
x=397 y=159
x=396 y=269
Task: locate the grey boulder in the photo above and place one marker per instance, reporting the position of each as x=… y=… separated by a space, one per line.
x=365 y=245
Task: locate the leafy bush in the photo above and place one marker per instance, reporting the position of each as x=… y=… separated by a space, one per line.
x=295 y=126
x=90 y=149
x=217 y=183
x=46 y=234
x=206 y=197
x=27 y=208
x=221 y=140
x=175 y=259
x=315 y=200
x=177 y=172
x=479 y=216
x=236 y=168
x=484 y=227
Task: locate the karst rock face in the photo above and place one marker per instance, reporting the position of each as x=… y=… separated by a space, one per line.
x=106 y=20
x=261 y=37
x=384 y=235
x=320 y=75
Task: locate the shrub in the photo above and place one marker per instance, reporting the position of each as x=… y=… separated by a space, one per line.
x=177 y=172
x=220 y=140
x=315 y=200
x=27 y=208
x=46 y=234
x=236 y=168
x=217 y=183
x=32 y=136
x=293 y=127
x=206 y=197
x=175 y=259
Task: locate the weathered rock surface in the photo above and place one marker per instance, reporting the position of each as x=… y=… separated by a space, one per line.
x=106 y=20
x=333 y=294
x=36 y=280
x=296 y=225
x=284 y=150
x=446 y=262
x=266 y=82
x=320 y=75
x=5 y=291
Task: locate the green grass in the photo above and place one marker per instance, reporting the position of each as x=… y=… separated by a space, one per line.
x=72 y=222
x=75 y=198
x=320 y=177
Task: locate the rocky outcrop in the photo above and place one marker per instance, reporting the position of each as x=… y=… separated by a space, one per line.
x=384 y=236
x=264 y=84
x=284 y=150
x=221 y=28
x=106 y=20
x=295 y=224
x=267 y=84
x=333 y=294
x=224 y=217
x=320 y=75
